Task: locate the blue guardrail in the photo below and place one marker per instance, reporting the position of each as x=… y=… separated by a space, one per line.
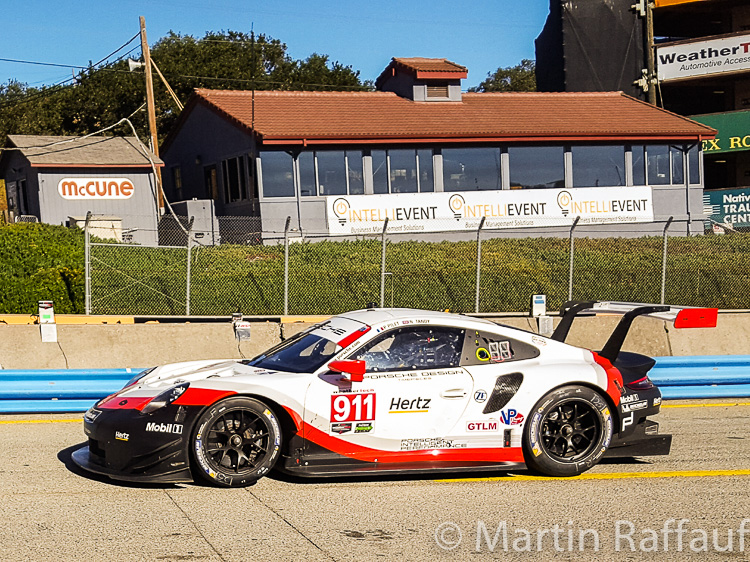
x=75 y=390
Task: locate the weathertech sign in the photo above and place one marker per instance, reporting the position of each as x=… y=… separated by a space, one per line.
x=95 y=188
x=703 y=58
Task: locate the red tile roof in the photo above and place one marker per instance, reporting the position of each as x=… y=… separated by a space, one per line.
x=375 y=117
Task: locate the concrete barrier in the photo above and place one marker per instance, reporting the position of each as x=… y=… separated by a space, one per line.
x=101 y=346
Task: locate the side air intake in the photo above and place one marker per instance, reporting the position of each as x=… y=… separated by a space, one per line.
x=506 y=387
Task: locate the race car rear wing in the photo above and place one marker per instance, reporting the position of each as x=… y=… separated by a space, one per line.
x=683 y=317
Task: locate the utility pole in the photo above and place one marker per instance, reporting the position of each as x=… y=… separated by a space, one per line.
x=151 y=110
x=650 y=66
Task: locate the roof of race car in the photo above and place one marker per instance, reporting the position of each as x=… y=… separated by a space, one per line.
x=372 y=316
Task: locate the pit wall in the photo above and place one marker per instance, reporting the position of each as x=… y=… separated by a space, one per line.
x=121 y=343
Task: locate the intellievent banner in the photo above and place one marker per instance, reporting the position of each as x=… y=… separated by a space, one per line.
x=527 y=208
x=724 y=55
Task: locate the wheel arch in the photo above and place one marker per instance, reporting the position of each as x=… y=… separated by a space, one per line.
x=599 y=390
x=288 y=426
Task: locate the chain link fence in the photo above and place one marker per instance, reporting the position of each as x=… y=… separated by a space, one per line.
x=232 y=265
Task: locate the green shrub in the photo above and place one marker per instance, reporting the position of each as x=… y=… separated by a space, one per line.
x=41 y=262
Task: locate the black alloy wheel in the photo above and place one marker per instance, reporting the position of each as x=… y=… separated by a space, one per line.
x=567 y=432
x=236 y=441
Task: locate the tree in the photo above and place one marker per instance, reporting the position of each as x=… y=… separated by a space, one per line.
x=103 y=95
x=519 y=78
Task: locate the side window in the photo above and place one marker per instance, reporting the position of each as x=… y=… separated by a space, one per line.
x=485 y=348
x=415 y=347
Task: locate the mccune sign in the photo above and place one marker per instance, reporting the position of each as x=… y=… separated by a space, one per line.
x=95 y=188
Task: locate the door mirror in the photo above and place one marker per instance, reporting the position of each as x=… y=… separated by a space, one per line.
x=355 y=369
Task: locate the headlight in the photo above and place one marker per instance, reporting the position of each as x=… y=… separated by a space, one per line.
x=91 y=414
x=165 y=398
x=138 y=377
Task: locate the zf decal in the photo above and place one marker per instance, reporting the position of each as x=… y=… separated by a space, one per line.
x=353 y=407
x=480 y=396
x=511 y=417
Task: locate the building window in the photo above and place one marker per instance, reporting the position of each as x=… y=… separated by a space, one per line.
x=424 y=166
x=639 y=165
x=211 y=183
x=657 y=164
x=379 y=171
x=437 y=91
x=471 y=169
x=235 y=179
x=277 y=172
x=307 y=175
x=598 y=166
x=355 y=172
x=694 y=165
x=177 y=181
x=678 y=171
x=533 y=167
x=402 y=171
x=331 y=172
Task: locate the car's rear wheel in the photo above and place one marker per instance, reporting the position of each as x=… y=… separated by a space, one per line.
x=236 y=441
x=568 y=432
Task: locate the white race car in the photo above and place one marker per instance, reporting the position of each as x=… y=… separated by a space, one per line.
x=389 y=391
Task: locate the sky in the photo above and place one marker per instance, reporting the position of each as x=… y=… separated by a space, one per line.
x=481 y=35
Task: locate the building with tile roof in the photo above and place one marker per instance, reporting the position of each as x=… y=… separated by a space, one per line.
x=58 y=180
x=340 y=162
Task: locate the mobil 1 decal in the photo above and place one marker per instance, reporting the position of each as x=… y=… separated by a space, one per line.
x=349 y=409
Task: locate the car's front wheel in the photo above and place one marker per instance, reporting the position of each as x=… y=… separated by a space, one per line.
x=235 y=442
x=568 y=432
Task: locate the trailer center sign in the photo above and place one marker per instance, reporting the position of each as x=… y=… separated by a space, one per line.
x=95 y=188
x=692 y=59
x=456 y=211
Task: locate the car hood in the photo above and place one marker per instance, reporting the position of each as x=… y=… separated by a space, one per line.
x=168 y=375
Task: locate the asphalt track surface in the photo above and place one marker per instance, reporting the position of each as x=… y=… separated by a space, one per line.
x=52 y=511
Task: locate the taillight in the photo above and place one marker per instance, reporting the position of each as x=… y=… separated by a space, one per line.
x=641 y=384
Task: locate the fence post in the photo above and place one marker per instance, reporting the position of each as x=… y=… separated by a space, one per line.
x=382 y=265
x=479 y=263
x=286 y=265
x=572 y=254
x=87 y=259
x=664 y=261
x=189 y=264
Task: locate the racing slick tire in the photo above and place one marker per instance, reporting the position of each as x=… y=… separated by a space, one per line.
x=568 y=432
x=235 y=442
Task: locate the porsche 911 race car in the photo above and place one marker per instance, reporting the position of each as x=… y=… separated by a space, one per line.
x=389 y=391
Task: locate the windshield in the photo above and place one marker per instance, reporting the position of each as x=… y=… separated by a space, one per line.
x=304 y=353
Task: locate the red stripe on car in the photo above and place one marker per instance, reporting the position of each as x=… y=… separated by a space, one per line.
x=614 y=378
x=354 y=336
x=345 y=448
x=201 y=396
